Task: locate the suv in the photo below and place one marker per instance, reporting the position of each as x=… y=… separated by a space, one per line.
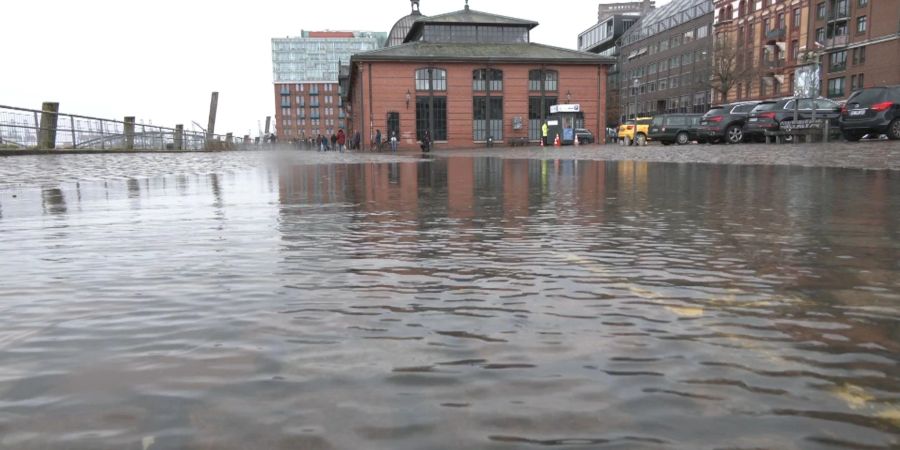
x=872 y=111
x=725 y=122
x=769 y=115
x=629 y=133
x=584 y=136
x=674 y=128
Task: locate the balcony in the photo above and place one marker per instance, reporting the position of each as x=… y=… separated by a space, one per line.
x=841 y=14
x=837 y=41
x=774 y=64
x=775 y=35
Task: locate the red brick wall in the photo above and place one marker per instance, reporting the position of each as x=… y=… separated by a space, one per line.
x=391 y=80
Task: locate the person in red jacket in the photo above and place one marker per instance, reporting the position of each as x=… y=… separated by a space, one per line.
x=341 y=139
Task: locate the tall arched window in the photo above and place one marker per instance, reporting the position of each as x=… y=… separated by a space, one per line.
x=546 y=83
x=487 y=106
x=431 y=109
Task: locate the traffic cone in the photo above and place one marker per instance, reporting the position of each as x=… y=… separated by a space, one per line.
x=544 y=138
x=556 y=142
x=576 y=141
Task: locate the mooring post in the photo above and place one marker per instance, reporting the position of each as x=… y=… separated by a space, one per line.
x=179 y=137
x=229 y=141
x=129 y=133
x=47 y=133
x=211 y=126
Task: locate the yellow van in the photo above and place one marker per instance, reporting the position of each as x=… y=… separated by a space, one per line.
x=631 y=133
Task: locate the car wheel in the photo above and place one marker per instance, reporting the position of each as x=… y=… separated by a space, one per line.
x=894 y=130
x=640 y=139
x=682 y=138
x=734 y=134
x=851 y=136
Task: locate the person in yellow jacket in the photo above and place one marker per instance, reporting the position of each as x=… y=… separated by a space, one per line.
x=544 y=130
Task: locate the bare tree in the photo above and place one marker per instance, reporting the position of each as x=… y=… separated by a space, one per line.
x=730 y=65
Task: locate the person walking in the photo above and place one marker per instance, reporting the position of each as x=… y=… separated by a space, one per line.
x=341 y=140
x=426 y=142
x=378 y=140
x=544 y=130
x=394 y=141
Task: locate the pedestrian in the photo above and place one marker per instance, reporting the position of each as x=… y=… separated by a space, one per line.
x=394 y=141
x=356 y=138
x=333 y=141
x=544 y=130
x=341 y=140
x=378 y=140
x=426 y=142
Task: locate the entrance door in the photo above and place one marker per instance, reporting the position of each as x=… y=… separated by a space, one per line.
x=393 y=124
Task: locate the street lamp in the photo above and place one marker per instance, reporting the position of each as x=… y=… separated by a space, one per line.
x=568 y=96
x=407 y=98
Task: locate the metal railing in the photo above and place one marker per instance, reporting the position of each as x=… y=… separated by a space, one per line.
x=21 y=128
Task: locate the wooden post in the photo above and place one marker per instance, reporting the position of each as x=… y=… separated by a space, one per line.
x=211 y=126
x=47 y=133
x=179 y=137
x=268 y=122
x=129 y=133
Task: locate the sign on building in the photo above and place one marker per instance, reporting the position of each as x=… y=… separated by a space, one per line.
x=565 y=108
x=807 y=83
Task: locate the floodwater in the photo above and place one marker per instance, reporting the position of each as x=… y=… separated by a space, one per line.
x=469 y=302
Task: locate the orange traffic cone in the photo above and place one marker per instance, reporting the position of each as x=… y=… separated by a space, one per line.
x=544 y=138
x=576 y=141
x=556 y=142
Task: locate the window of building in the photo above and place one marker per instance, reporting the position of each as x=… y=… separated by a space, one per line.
x=286 y=112
x=431 y=78
x=702 y=32
x=781 y=23
x=820 y=10
x=301 y=101
x=487 y=78
x=487 y=118
x=314 y=102
x=820 y=35
x=551 y=80
x=285 y=102
x=795 y=50
x=863 y=3
x=663 y=45
x=836 y=87
x=842 y=8
x=663 y=84
x=688 y=36
x=431 y=110
x=862 y=55
x=314 y=89
x=301 y=113
x=838 y=61
x=861 y=24
x=796 y=18
x=534 y=115
x=285 y=89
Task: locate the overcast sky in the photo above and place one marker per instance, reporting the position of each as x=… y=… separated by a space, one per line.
x=159 y=60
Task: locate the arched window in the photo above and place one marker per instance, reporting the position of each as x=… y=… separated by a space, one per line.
x=550 y=80
x=431 y=78
x=482 y=78
x=742 y=8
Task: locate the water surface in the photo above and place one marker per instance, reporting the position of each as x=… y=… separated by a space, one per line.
x=468 y=302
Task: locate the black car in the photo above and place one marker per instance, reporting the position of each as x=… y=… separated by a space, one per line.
x=873 y=111
x=725 y=123
x=674 y=128
x=584 y=136
x=769 y=115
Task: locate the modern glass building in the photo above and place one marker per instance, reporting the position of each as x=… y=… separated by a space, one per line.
x=305 y=71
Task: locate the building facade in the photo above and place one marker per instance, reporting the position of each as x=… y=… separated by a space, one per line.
x=602 y=38
x=468 y=77
x=768 y=38
x=305 y=73
x=858 y=43
x=664 y=60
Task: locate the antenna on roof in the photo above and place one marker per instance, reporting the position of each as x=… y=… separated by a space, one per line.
x=467 y=5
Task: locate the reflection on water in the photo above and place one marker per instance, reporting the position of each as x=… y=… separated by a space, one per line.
x=453 y=303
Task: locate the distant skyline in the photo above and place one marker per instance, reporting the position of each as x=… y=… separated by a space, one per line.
x=160 y=61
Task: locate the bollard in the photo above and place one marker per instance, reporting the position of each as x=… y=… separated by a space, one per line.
x=179 y=137
x=825 y=132
x=47 y=133
x=129 y=133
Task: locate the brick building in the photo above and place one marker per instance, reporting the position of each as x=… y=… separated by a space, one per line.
x=305 y=74
x=859 y=43
x=467 y=76
x=664 y=60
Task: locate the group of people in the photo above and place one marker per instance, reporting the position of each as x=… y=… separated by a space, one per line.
x=340 y=142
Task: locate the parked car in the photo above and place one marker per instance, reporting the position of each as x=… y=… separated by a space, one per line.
x=584 y=136
x=632 y=132
x=770 y=115
x=674 y=128
x=873 y=110
x=725 y=123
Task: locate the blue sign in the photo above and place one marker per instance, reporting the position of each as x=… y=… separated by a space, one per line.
x=568 y=134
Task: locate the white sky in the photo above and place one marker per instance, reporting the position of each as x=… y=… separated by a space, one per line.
x=160 y=60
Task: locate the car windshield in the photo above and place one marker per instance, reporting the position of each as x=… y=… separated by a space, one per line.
x=763 y=107
x=714 y=111
x=868 y=97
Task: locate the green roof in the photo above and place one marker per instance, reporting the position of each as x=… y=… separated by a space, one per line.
x=521 y=52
